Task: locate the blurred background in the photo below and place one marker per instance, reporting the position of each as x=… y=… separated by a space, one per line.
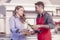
x=7 y=6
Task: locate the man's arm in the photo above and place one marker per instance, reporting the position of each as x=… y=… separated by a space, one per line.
x=50 y=23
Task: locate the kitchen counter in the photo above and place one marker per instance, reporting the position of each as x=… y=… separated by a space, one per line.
x=34 y=37
x=7 y=37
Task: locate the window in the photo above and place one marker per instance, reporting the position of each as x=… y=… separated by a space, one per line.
x=2 y=18
x=31 y=17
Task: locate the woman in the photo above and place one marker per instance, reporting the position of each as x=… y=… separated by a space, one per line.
x=17 y=28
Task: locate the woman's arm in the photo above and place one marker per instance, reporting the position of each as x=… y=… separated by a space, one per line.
x=13 y=27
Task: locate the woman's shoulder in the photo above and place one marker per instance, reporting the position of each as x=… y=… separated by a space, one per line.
x=12 y=18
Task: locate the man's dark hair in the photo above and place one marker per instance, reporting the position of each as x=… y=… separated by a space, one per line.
x=40 y=3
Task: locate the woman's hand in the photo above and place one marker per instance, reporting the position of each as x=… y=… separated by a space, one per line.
x=25 y=32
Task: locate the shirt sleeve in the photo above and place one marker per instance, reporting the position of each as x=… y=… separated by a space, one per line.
x=13 y=27
x=50 y=22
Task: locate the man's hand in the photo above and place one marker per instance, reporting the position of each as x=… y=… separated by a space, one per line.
x=35 y=27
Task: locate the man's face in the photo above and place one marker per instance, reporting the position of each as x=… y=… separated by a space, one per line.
x=38 y=8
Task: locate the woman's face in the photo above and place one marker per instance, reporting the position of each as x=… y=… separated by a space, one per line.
x=20 y=12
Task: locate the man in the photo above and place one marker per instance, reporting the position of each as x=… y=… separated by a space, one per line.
x=43 y=21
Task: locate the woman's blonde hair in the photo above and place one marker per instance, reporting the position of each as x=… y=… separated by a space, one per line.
x=16 y=8
x=22 y=18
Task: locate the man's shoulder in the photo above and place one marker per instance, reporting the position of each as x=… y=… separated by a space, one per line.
x=47 y=14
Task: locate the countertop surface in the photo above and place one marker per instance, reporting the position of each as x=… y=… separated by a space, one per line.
x=54 y=36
